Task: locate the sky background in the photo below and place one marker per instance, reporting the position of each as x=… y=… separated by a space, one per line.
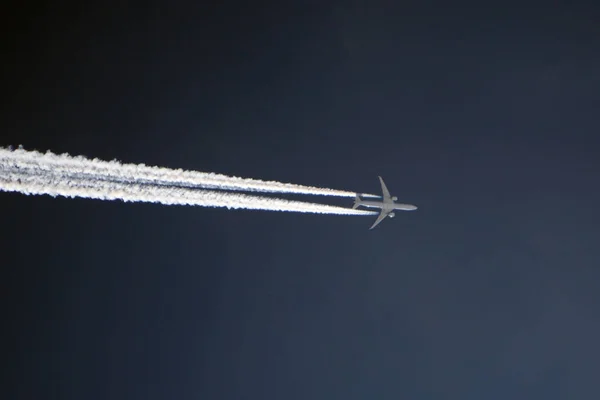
x=487 y=119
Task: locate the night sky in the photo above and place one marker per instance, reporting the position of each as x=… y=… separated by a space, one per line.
x=486 y=118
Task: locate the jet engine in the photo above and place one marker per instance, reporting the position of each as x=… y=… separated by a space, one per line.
x=392 y=215
x=395 y=198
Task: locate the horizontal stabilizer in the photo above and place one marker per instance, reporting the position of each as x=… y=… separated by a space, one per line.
x=356 y=201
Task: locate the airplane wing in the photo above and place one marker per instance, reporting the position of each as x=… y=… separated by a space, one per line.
x=384 y=190
x=380 y=218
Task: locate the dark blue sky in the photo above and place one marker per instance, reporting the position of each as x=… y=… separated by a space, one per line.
x=487 y=119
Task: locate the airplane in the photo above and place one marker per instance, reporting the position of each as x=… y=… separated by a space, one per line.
x=387 y=206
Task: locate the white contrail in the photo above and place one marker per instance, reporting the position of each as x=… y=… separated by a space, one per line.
x=32 y=181
x=82 y=167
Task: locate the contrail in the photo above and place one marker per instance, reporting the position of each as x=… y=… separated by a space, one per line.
x=18 y=175
x=82 y=167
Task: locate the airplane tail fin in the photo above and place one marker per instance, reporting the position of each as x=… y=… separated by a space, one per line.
x=356 y=201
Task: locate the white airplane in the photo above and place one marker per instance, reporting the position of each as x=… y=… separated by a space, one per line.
x=387 y=206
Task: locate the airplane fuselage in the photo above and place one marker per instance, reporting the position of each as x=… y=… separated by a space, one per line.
x=387 y=206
